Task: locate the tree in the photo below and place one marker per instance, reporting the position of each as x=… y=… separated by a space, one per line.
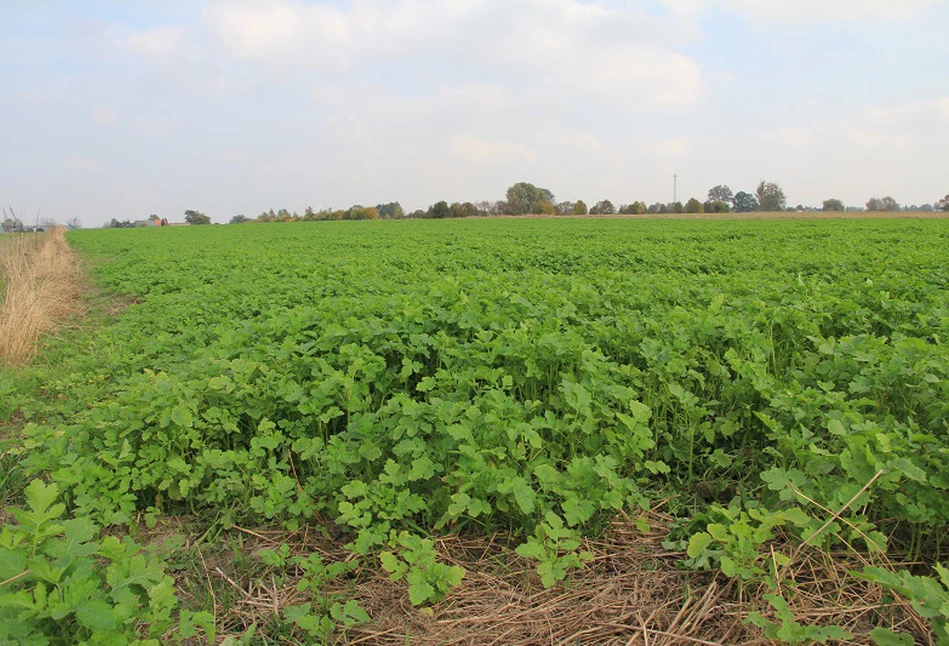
x=239 y=219
x=770 y=197
x=635 y=208
x=720 y=193
x=439 y=210
x=524 y=198
x=676 y=207
x=546 y=207
x=196 y=217
x=658 y=208
x=564 y=208
x=390 y=211
x=744 y=202
x=360 y=212
x=486 y=208
x=73 y=224
x=833 y=204
x=694 y=206
x=580 y=208
x=463 y=210
x=885 y=204
x=716 y=206
x=942 y=205
x=603 y=207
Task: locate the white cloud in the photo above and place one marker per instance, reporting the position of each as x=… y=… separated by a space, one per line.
x=793 y=138
x=161 y=41
x=104 y=117
x=876 y=138
x=577 y=141
x=81 y=163
x=937 y=109
x=563 y=49
x=473 y=148
x=815 y=11
x=283 y=31
x=34 y=97
x=671 y=147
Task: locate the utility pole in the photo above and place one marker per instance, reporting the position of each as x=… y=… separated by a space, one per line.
x=675 y=189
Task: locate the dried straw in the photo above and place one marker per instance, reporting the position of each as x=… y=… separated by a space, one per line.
x=633 y=592
x=42 y=286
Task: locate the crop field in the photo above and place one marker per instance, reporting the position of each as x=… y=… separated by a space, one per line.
x=770 y=388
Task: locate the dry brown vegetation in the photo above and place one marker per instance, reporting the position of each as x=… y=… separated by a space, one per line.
x=41 y=287
x=633 y=592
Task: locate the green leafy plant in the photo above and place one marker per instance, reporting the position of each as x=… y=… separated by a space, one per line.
x=414 y=559
x=736 y=543
x=929 y=596
x=324 y=613
x=789 y=630
x=60 y=584
x=555 y=548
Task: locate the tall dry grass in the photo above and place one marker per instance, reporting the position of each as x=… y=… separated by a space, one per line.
x=41 y=280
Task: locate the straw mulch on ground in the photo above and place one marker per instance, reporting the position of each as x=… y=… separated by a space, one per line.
x=633 y=592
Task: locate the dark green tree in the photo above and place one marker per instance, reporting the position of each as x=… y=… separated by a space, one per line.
x=239 y=219
x=196 y=217
x=580 y=208
x=833 y=204
x=744 y=202
x=390 y=211
x=720 y=193
x=439 y=210
x=658 y=208
x=694 y=206
x=634 y=208
x=716 y=206
x=463 y=210
x=603 y=207
x=524 y=198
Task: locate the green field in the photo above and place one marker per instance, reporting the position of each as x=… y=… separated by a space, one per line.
x=770 y=382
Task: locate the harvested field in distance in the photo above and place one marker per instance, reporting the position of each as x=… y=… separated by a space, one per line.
x=563 y=430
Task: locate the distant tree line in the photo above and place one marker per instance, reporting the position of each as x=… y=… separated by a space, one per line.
x=524 y=198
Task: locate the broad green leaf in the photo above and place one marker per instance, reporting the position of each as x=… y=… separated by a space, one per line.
x=96 y=614
x=181 y=416
x=884 y=637
x=697 y=544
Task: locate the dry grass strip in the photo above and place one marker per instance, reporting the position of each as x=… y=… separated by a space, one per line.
x=41 y=287
x=633 y=593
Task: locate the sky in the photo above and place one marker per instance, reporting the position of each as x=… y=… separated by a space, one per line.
x=124 y=108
